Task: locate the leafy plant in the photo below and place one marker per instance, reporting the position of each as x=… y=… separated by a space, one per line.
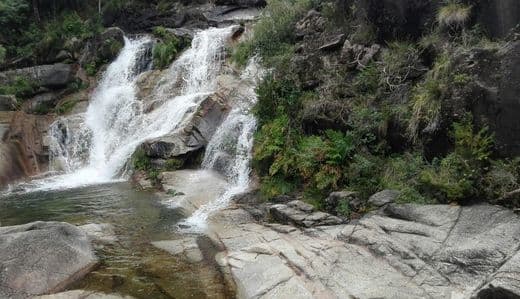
x=21 y=87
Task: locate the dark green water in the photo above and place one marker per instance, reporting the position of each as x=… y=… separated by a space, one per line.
x=130 y=266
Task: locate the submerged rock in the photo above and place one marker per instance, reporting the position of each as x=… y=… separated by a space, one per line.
x=42 y=257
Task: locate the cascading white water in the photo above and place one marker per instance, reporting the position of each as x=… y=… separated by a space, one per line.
x=230 y=149
x=115 y=124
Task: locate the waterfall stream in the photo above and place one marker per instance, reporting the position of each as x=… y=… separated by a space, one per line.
x=94 y=147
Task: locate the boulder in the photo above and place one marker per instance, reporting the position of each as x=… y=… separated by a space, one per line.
x=53 y=76
x=383 y=198
x=42 y=257
x=194 y=135
x=299 y=213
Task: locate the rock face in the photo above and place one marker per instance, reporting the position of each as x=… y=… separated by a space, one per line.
x=494 y=96
x=302 y=214
x=50 y=76
x=42 y=257
x=383 y=198
x=402 y=251
x=195 y=133
x=498 y=17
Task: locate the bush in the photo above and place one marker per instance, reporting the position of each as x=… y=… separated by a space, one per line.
x=277 y=97
x=453 y=14
x=458 y=176
x=273 y=34
x=141 y=161
x=427 y=96
x=173 y=164
x=21 y=88
x=66 y=106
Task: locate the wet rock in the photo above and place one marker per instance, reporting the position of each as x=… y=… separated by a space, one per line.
x=8 y=103
x=301 y=214
x=383 y=197
x=194 y=135
x=187 y=247
x=51 y=76
x=197 y=187
x=42 y=257
x=100 y=232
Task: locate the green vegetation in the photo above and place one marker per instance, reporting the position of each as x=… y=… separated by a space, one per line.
x=21 y=88
x=273 y=35
x=454 y=14
x=368 y=127
x=2 y=54
x=66 y=106
x=166 y=51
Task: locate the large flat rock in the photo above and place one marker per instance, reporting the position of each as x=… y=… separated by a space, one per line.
x=42 y=257
x=401 y=251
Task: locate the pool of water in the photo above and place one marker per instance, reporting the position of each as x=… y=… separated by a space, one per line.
x=130 y=266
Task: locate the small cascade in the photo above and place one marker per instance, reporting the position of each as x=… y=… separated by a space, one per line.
x=230 y=149
x=94 y=147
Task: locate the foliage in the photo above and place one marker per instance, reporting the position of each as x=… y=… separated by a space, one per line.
x=276 y=97
x=273 y=34
x=173 y=164
x=427 y=96
x=399 y=62
x=453 y=14
x=66 y=106
x=165 y=51
x=20 y=87
x=141 y=161
x=458 y=176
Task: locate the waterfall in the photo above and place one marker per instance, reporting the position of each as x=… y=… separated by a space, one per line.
x=94 y=147
x=230 y=149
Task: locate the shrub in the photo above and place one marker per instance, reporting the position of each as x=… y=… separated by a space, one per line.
x=399 y=62
x=402 y=173
x=66 y=106
x=165 y=51
x=427 y=96
x=458 y=176
x=173 y=164
x=453 y=14
x=141 y=161
x=276 y=97
x=274 y=32
x=20 y=87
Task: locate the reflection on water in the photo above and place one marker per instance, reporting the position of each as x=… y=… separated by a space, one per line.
x=131 y=266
